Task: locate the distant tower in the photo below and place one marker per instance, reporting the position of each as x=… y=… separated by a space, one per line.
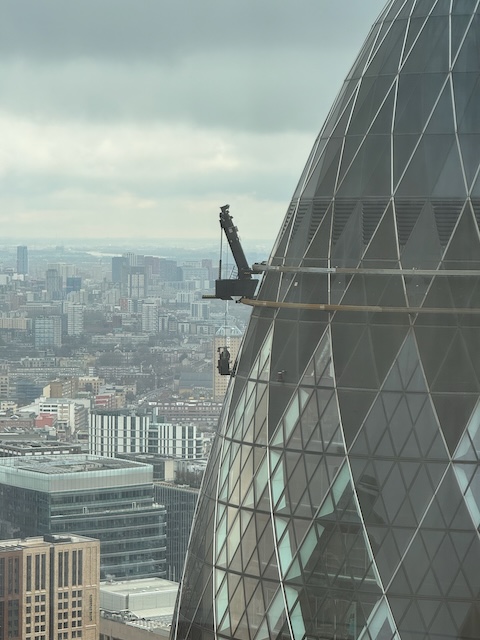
x=22 y=260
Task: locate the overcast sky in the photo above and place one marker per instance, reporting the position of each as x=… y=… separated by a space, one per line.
x=139 y=118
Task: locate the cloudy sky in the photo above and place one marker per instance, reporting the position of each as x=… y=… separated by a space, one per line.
x=139 y=118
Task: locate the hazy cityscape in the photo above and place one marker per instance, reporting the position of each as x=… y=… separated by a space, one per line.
x=248 y=421
x=109 y=380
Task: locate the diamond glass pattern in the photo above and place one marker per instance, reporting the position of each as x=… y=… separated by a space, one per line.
x=342 y=498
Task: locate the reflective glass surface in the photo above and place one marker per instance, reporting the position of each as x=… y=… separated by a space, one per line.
x=343 y=495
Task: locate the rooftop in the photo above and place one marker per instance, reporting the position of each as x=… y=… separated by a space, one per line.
x=75 y=463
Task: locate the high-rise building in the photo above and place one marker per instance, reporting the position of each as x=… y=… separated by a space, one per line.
x=137 y=283
x=150 y=317
x=75 y=318
x=120 y=266
x=49 y=588
x=22 y=260
x=47 y=332
x=54 y=284
x=342 y=494
x=180 y=503
x=103 y=498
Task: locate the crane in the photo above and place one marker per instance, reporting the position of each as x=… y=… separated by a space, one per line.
x=243 y=286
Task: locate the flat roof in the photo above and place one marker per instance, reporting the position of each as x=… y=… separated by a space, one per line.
x=69 y=463
x=16 y=544
x=142 y=585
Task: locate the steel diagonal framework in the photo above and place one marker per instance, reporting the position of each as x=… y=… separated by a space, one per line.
x=342 y=498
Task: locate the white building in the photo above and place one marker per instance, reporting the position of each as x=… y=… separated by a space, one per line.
x=75 y=318
x=112 y=432
x=150 y=317
x=176 y=441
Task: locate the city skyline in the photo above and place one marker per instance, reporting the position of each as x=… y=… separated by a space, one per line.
x=128 y=120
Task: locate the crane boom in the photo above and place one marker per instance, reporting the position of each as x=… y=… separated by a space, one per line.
x=243 y=286
x=230 y=230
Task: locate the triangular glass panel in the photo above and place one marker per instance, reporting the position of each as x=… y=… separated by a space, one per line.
x=470 y=49
x=450 y=182
x=386 y=59
x=456 y=373
x=453 y=413
x=469 y=144
x=416 y=98
x=369 y=172
x=430 y=51
x=426 y=165
x=383 y=248
x=459 y=253
x=354 y=406
x=348 y=246
x=318 y=248
x=361 y=371
x=371 y=96
x=423 y=249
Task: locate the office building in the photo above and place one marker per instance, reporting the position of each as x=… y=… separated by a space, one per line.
x=120 y=267
x=137 y=283
x=22 y=260
x=47 y=332
x=103 y=498
x=180 y=503
x=341 y=498
x=49 y=588
x=54 y=284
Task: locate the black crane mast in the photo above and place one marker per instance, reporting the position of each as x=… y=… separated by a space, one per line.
x=243 y=286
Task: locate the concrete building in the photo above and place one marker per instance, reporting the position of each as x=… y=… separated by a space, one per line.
x=49 y=588
x=103 y=498
x=47 y=332
x=75 y=318
x=120 y=431
x=137 y=609
x=150 y=317
x=176 y=441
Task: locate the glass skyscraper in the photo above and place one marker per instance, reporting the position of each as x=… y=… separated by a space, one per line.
x=342 y=497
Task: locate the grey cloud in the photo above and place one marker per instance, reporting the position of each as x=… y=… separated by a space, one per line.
x=276 y=90
x=158 y=28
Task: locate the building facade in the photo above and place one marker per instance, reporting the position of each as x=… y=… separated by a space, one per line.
x=47 y=332
x=49 y=588
x=180 y=503
x=341 y=498
x=22 y=260
x=112 y=432
x=111 y=500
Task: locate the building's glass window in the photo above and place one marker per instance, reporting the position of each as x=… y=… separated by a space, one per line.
x=60 y=571
x=37 y=574
x=29 y=574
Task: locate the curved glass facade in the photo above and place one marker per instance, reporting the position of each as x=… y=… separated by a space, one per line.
x=342 y=497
